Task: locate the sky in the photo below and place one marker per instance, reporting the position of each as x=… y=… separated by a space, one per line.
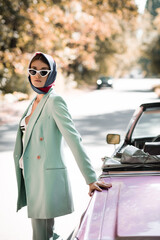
x=141 y=5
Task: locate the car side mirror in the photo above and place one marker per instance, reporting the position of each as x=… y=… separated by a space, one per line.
x=113 y=138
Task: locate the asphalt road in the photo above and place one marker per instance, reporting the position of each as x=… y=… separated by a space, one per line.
x=95 y=114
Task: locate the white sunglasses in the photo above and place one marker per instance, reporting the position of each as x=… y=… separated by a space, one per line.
x=43 y=73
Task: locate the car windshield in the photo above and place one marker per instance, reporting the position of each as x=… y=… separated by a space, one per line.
x=148 y=124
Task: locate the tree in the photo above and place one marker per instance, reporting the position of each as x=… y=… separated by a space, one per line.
x=152 y=5
x=13 y=23
x=80 y=35
x=150 y=42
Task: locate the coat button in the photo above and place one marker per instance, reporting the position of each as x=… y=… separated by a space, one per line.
x=41 y=139
x=38 y=157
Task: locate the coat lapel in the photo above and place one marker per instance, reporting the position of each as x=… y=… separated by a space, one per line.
x=34 y=118
x=19 y=132
x=24 y=114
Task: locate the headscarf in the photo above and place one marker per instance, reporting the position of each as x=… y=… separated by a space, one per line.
x=51 y=77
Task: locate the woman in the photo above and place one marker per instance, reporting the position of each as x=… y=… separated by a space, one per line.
x=42 y=177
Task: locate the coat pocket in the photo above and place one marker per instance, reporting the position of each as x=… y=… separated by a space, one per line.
x=58 y=192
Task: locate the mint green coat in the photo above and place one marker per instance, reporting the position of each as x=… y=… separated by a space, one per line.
x=45 y=188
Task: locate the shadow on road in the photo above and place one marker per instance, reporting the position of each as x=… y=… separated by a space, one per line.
x=7 y=137
x=94 y=128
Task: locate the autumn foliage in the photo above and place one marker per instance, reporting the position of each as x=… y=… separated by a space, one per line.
x=80 y=35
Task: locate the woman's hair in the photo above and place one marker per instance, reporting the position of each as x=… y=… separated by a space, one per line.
x=41 y=58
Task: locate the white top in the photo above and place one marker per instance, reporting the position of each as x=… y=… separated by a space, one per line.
x=23 y=127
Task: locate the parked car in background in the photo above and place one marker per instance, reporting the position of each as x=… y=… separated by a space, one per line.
x=130 y=209
x=104 y=81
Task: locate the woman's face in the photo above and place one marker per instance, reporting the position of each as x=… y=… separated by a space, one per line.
x=37 y=80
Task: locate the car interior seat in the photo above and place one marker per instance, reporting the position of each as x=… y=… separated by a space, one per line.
x=153 y=148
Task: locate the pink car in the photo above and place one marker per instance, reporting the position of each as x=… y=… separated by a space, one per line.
x=131 y=208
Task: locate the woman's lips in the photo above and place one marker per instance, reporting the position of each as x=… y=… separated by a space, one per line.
x=37 y=80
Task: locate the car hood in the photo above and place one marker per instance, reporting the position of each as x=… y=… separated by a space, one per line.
x=128 y=210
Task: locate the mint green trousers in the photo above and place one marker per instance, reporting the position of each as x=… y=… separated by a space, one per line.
x=43 y=229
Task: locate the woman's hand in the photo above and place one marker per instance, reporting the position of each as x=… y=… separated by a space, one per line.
x=98 y=185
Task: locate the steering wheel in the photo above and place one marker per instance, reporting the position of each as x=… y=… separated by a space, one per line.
x=156 y=139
